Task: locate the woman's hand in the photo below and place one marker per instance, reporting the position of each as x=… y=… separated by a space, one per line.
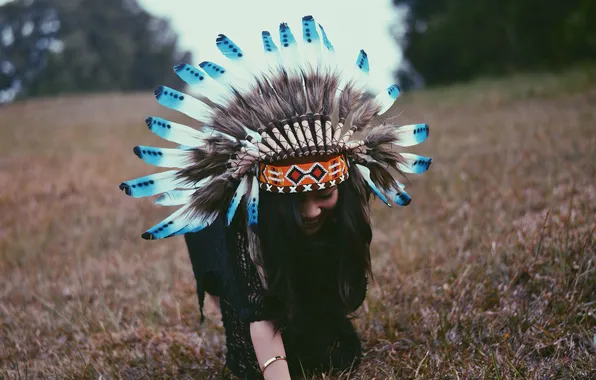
x=267 y=345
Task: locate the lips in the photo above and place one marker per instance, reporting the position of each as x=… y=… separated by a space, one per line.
x=310 y=223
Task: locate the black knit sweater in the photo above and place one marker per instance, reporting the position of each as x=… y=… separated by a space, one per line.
x=319 y=339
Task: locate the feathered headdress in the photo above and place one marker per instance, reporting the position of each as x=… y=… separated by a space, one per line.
x=277 y=128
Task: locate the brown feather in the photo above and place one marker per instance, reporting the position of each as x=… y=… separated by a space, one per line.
x=215 y=196
x=252 y=105
x=225 y=121
x=365 y=113
x=262 y=101
x=381 y=134
x=219 y=145
x=206 y=163
x=386 y=153
x=349 y=98
x=291 y=90
x=330 y=88
x=277 y=90
x=379 y=174
x=298 y=96
x=315 y=90
x=379 y=145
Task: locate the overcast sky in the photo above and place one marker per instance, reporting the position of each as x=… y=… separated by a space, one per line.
x=350 y=24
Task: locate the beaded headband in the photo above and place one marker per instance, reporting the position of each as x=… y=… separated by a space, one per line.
x=303 y=177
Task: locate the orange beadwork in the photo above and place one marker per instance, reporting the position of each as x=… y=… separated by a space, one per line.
x=303 y=177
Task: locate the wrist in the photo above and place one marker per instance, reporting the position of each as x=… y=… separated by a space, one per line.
x=275 y=368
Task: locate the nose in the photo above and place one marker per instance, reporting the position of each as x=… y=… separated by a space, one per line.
x=309 y=209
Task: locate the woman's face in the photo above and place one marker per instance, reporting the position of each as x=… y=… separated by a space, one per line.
x=315 y=207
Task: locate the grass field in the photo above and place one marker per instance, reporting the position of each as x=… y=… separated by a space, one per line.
x=488 y=274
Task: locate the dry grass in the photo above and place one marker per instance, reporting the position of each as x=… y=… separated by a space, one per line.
x=489 y=273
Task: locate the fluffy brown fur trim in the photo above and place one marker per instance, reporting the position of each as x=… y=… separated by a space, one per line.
x=291 y=90
x=380 y=174
x=279 y=94
x=229 y=120
x=379 y=145
x=331 y=84
x=349 y=98
x=314 y=83
x=365 y=113
x=386 y=154
x=215 y=196
x=264 y=98
x=206 y=162
x=381 y=134
x=225 y=121
x=253 y=105
x=222 y=146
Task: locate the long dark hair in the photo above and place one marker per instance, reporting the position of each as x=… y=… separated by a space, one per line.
x=347 y=234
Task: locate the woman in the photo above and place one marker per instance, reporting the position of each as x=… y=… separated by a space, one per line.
x=281 y=195
x=317 y=278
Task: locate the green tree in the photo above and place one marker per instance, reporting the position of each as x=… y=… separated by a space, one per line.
x=452 y=40
x=28 y=33
x=96 y=46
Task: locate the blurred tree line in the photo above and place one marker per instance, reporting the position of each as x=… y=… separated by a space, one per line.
x=454 y=40
x=69 y=46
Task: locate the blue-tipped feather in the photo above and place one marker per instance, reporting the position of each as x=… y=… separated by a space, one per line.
x=268 y=43
x=170 y=225
x=240 y=76
x=153 y=184
x=309 y=31
x=236 y=199
x=214 y=70
x=272 y=53
x=328 y=53
x=190 y=74
x=290 y=57
x=401 y=198
x=366 y=174
x=210 y=132
x=196 y=224
x=184 y=103
x=175 y=198
x=398 y=195
x=163 y=157
x=414 y=163
x=387 y=97
x=393 y=91
x=180 y=197
x=202 y=83
x=252 y=204
x=228 y=48
x=311 y=41
x=362 y=62
x=326 y=41
x=412 y=134
x=286 y=37
x=174 y=132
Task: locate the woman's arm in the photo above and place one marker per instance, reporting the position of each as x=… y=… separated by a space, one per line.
x=268 y=344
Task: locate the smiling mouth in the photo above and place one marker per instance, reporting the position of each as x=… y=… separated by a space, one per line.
x=310 y=223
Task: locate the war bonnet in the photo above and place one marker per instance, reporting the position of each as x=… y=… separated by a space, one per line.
x=285 y=126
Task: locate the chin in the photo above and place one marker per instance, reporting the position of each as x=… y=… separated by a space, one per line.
x=313 y=229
